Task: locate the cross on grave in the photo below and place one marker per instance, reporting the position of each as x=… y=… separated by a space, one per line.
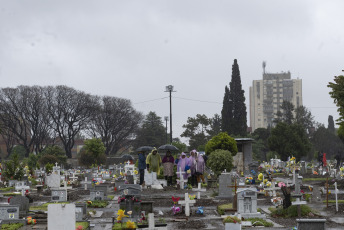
x=55 y=164
x=74 y=178
x=235 y=186
x=187 y=202
x=85 y=183
x=273 y=189
x=65 y=185
x=199 y=189
x=181 y=178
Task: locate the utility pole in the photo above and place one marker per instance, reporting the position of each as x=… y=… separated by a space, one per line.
x=166 y=119
x=169 y=89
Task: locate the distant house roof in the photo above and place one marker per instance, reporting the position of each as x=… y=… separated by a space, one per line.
x=243 y=139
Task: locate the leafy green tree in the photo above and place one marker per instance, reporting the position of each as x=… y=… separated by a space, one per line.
x=219 y=160
x=32 y=162
x=304 y=117
x=221 y=141
x=234 y=115
x=260 y=146
x=181 y=146
x=92 y=153
x=340 y=132
x=330 y=126
x=49 y=167
x=326 y=141
x=53 y=154
x=20 y=151
x=14 y=170
x=215 y=125
x=289 y=140
x=152 y=132
x=196 y=130
x=337 y=94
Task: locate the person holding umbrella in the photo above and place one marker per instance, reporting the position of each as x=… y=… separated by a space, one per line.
x=153 y=162
x=142 y=166
x=168 y=162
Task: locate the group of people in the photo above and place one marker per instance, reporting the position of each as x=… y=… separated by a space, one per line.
x=191 y=167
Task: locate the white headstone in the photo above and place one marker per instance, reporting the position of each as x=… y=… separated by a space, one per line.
x=336 y=192
x=61 y=216
x=151 y=222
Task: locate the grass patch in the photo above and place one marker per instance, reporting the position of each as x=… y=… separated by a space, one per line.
x=82 y=225
x=290 y=212
x=12 y=226
x=110 y=197
x=278 y=174
x=214 y=194
x=260 y=222
x=12 y=194
x=6 y=189
x=315 y=179
x=230 y=219
x=97 y=204
x=222 y=208
x=44 y=207
x=333 y=201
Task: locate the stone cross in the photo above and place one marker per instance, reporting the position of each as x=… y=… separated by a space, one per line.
x=151 y=222
x=56 y=164
x=181 y=178
x=186 y=203
x=336 y=192
x=74 y=178
x=199 y=189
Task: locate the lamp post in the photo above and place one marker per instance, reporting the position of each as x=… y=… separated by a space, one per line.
x=166 y=119
x=169 y=89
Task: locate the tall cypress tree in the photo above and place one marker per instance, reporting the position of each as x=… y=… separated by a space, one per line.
x=234 y=115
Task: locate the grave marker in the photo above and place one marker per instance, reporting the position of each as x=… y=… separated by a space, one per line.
x=9 y=212
x=23 y=203
x=61 y=216
x=187 y=202
x=199 y=189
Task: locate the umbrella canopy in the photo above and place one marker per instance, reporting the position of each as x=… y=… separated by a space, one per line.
x=168 y=147
x=127 y=157
x=144 y=149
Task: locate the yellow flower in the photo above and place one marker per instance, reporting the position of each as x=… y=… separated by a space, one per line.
x=260 y=176
x=136 y=172
x=130 y=224
x=120 y=214
x=266 y=180
x=342 y=169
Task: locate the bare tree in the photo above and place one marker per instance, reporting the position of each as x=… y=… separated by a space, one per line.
x=69 y=110
x=115 y=121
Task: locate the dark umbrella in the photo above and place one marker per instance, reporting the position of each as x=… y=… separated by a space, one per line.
x=127 y=157
x=144 y=149
x=168 y=147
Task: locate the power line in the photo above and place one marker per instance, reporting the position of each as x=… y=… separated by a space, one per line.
x=188 y=99
x=150 y=100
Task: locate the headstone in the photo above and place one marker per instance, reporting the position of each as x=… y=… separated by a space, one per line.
x=247 y=203
x=232 y=226
x=80 y=211
x=336 y=192
x=97 y=195
x=20 y=185
x=87 y=184
x=11 y=183
x=303 y=167
x=130 y=199
x=314 y=224
x=53 y=181
x=151 y=222
x=58 y=195
x=224 y=182
x=150 y=178
x=9 y=212
x=103 y=188
x=23 y=203
x=187 y=203
x=61 y=216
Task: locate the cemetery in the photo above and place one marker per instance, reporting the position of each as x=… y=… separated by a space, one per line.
x=267 y=195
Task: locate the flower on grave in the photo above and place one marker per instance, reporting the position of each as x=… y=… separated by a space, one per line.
x=129 y=224
x=281 y=184
x=192 y=197
x=302 y=191
x=120 y=215
x=260 y=176
x=130 y=212
x=315 y=172
x=175 y=199
x=268 y=184
x=79 y=227
x=89 y=202
x=341 y=169
x=120 y=199
x=200 y=210
x=265 y=181
x=136 y=172
x=126 y=182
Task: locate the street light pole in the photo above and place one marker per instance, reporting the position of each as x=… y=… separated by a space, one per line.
x=166 y=119
x=169 y=89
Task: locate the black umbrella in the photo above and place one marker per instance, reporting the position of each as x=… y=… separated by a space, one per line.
x=168 y=147
x=127 y=157
x=144 y=149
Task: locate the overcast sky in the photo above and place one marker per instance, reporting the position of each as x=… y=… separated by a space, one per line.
x=133 y=49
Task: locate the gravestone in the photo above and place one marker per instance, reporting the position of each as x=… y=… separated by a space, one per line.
x=20 y=185
x=53 y=181
x=150 y=178
x=61 y=216
x=130 y=179
x=253 y=166
x=58 y=195
x=9 y=212
x=232 y=226
x=23 y=203
x=247 y=203
x=187 y=203
x=11 y=183
x=97 y=195
x=224 y=182
x=303 y=167
x=103 y=188
x=130 y=199
x=314 y=224
x=80 y=211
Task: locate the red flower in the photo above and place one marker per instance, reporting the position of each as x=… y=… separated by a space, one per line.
x=175 y=199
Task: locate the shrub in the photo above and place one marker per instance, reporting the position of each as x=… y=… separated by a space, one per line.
x=260 y=222
x=221 y=141
x=92 y=153
x=48 y=159
x=14 y=170
x=291 y=211
x=220 y=160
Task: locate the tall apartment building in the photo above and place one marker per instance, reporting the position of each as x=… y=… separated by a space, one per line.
x=267 y=95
